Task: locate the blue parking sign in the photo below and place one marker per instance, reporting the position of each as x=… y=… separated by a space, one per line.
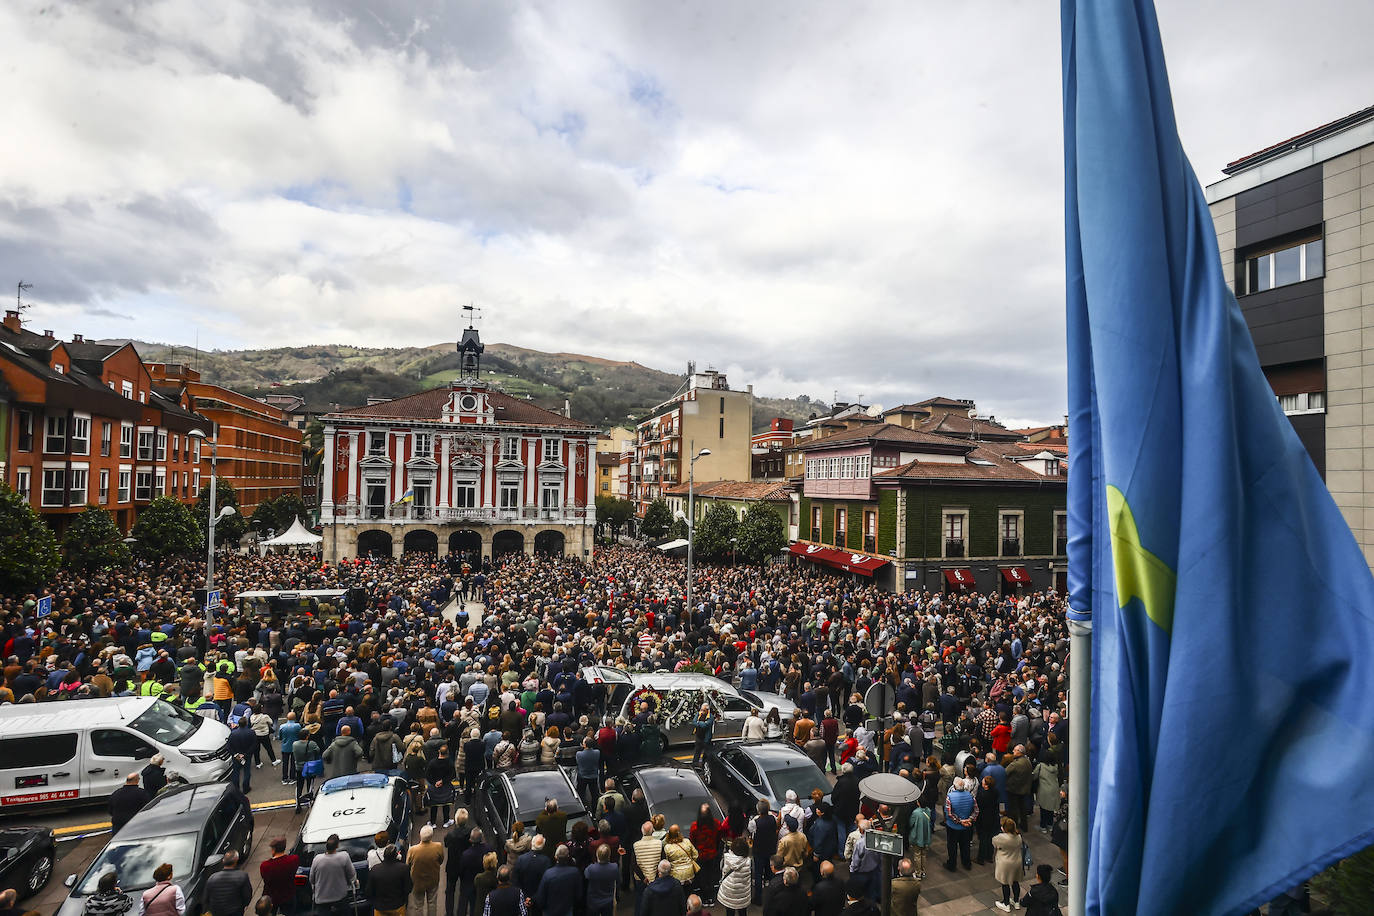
x=44 y=606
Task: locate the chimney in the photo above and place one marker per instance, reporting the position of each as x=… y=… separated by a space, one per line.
x=567 y=408
x=77 y=338
x=12 y=322
x=48 y=333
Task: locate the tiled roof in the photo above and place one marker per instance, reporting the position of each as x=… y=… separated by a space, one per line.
x=996 y=467
x=883 y=432
x=429 y=405
x=962 y=426
x=1058 y=448
x=735 y=489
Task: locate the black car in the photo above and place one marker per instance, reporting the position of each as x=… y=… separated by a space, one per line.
x=26 y=859
x=746 y=771
x=671 y=789
x=190 y=828
x=506 y=796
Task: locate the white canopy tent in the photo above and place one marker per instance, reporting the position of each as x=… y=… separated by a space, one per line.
x=295 y=536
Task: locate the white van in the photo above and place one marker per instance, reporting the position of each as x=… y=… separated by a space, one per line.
x=83 y=749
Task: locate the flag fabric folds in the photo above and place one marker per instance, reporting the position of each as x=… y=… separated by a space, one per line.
x=407 y=497
x=1233 y=707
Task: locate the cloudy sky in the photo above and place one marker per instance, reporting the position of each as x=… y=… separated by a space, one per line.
x=819 y=197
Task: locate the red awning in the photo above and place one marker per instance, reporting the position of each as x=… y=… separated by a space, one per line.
x=959 y=578
x=1016 y=575
x=843 y=560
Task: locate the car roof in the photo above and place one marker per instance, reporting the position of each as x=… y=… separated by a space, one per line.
x=31 y=718
x=772 y=752
x=175 y=811
x=680 y=680
x=661 y=780
x=351 y=807
x=533 y=786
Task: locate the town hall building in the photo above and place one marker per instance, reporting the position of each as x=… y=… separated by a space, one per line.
x=462 y=469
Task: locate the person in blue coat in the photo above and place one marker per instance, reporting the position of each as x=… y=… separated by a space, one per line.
x=560 y=887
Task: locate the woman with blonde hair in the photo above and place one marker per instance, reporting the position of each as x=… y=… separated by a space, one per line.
x=679 y=852
x=517 y=844
x=548 y=746
x=1006 y=863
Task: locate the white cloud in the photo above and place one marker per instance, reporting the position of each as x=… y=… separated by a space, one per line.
x=818 y=197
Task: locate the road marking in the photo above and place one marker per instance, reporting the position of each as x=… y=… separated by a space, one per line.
x=67 y=832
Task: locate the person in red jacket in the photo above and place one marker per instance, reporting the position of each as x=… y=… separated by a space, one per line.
x=1001 y=736
x=279 y=876
x=830 y=734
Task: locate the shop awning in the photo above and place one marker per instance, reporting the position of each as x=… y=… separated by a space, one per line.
x=842 y=560
x=1016 y=575
x=959 y=578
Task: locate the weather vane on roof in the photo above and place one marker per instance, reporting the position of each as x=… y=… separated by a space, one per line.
x=474 y=313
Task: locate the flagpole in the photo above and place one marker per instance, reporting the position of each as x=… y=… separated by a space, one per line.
x=1080 y=712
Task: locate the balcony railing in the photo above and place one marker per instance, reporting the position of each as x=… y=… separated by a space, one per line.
x=434 y=514
x=1011 y=547
x=816 y=534
x=870 y=544
x=954 y=547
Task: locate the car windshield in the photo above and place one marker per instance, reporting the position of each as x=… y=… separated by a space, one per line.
x=135 y=860
x=801 y=779
x=535 y=787
x=166 y=723
x=683 y=811
x=752 y=698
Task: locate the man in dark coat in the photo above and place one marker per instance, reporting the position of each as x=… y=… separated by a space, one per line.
x=844 y=796
x=665 y=896
x=906 y=890
x=530 y=868
x=228 y=892
x=505 y=899
x=389 y=883
x=857 y=902
x=560 y=887
x=126 y=801
x=827 y=896
x=788 y=898
x=469 y=867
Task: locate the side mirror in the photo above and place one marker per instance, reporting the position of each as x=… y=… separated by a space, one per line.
x=70 y=882
x=213 y=861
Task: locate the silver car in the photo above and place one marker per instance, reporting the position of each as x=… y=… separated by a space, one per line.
x=623 y=687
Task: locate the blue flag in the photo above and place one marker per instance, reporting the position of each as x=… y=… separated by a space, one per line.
x=1233 y=696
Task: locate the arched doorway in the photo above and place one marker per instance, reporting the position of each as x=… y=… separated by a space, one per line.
x=507 y=542
x=374 y=543
x=548 y=544
x=465 y=544
x=421 y=542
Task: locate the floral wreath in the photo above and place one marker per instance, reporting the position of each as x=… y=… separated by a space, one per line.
x=650 y=696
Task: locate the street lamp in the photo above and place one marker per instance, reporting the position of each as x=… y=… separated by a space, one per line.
x=691 y=527
x=734 y=543
x=214 y=518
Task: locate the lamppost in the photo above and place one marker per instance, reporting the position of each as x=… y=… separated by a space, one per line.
x=691 y=528
x=734 y=544
x=213 y=519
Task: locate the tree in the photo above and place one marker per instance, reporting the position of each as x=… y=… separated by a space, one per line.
x=613 y=513
x=678 y=530
x=230 y=528
x=761 y=533
x=657 y=519
x=1348 y=886
x=714 y=531
x=288 y=507
x=264 y=519
x=30 y=556
x=166 y=528
x=93 y=541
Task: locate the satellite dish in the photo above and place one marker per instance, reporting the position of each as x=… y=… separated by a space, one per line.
x=880 y=700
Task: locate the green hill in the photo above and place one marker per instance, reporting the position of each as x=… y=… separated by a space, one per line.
x=600 y=391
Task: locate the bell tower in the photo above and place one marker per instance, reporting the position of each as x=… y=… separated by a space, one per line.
x=470 y=350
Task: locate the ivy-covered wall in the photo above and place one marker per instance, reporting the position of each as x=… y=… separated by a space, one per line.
x=886 y=533
x=926 y=507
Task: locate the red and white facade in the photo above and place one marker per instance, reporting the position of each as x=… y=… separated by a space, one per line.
x=458 y=469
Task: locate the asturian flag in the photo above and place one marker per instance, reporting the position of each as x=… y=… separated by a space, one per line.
x=1233 y=697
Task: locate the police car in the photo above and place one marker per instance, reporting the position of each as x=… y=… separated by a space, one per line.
x=356 y=808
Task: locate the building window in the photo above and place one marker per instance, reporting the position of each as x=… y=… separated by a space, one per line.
x=722 y=404
x=24 y=430
x=376 y=443
x=80 y=479
x=815 y=523
x=510 y=448
x=510 y=495
x=195 y=483
x=465 y=494
x=160 y=483
x=23 y=483
x=145 y=445
x=1284 y=266
x=1309 y=402
x=551 y=497
x=1010 y=523
x=55 y=438
x=1054 y=467
x=195 y=451
x=870 y=530
x=126 y=440
x=423 y=446
x=104 y=486
x=847 y=467
x=124 y=477
x=1061 y=533
x=106 y=434
x=143 y=486
x=552 y=451
x=861 y=468
x=161 y=446
x=81 y=435
x=127 y=389
x=54 y=486
x=722 y=428
x=955 y=523
x=176 y=447
x=841 y=526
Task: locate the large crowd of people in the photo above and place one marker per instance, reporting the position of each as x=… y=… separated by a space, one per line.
x=390 y=684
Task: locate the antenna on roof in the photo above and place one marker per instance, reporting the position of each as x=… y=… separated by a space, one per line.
x=19 y=296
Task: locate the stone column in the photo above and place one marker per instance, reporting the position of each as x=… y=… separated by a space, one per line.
x=444 y=472
x=353 y=467
x=397 y=466
x=327 y=477
x=900 y=564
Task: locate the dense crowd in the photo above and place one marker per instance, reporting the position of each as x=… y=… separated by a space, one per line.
x=979 y=684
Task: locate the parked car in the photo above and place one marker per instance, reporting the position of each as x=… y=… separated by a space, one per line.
x=27 y=855
x=506 y=796
x=622 y=690
x=356 y=808
x=60 y=753
x=674 y=790
x=746 y=771
x=191 y=828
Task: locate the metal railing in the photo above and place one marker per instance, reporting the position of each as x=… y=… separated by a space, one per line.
x=1011 y=547
x=490 y=514
x=954 y=547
